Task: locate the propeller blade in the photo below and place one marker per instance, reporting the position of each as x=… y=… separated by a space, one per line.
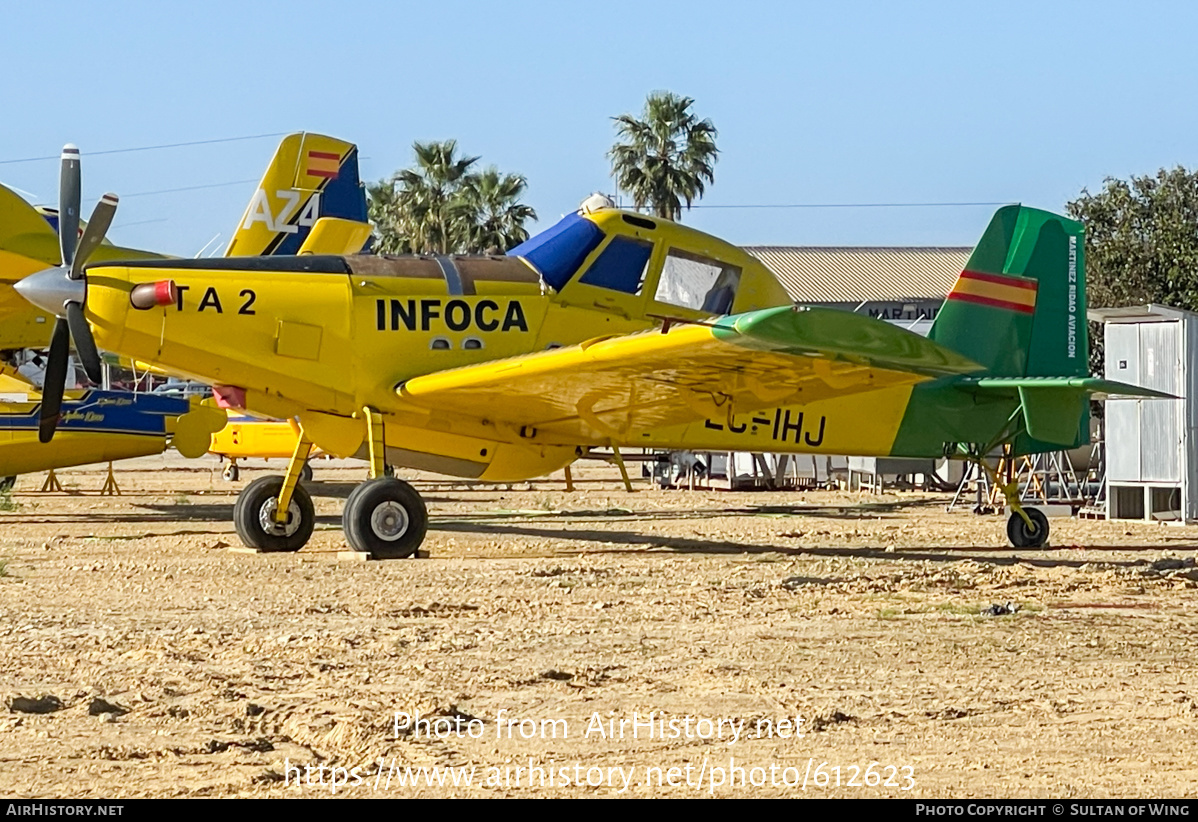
x=55 y=382
x=93 y=235
x=85 y=344
x=68 y=204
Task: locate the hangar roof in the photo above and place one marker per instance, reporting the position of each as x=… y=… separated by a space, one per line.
x=828 y=274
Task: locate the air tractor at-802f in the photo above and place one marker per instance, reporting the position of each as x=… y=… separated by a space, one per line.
x=609 y=329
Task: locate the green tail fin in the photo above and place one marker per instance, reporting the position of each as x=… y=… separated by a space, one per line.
x=1019 y=308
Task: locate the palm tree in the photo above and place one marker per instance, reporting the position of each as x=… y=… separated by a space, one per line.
x=440 y=206
x=497 y=214
x=393 y=231
x=430 y=194
x=420 y=207
x=666 y=157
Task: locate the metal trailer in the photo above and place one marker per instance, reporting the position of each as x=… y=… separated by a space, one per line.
x=744 y=471
x=1151 y=447
x=872 y=473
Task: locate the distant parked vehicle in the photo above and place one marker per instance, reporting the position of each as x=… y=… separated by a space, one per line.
x=183 y=389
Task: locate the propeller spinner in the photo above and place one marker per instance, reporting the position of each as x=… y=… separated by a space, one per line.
x=62 y=290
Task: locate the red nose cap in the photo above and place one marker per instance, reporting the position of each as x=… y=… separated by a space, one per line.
x=145 y=296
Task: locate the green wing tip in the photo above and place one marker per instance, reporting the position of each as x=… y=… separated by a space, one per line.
x=838 y=334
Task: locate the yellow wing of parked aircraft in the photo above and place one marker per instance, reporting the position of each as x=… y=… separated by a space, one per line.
x=310 y=200
x=609 y=329
x=29 y=243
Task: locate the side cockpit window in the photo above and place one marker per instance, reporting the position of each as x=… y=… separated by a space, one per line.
x=621 y=266
x=699 y=283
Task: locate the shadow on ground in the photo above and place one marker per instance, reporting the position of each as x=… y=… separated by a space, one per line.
x=655 y=543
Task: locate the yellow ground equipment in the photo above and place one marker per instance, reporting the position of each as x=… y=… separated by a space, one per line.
x=245 y=437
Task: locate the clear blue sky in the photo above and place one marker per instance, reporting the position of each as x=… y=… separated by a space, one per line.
x=815 y=102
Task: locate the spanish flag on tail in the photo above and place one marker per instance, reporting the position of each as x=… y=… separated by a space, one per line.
x=322 y=164
x=996 y=291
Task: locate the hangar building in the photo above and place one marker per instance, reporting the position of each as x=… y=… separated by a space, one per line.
x=906 y=285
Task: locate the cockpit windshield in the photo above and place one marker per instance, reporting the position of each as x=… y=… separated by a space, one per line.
x=558 y=251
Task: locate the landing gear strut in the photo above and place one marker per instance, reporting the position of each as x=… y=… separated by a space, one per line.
x=1026 y=527
x=384 y=517
x=276 y=513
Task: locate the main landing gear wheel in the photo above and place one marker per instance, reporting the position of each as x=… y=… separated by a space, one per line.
x=385 y=518
x=306 y=473
x=1022 y=536
x=253 y=516
x=231 y=472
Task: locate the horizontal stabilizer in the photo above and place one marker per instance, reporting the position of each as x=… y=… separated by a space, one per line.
x=1054 y=408
x=1097 y=388
x=334 y=235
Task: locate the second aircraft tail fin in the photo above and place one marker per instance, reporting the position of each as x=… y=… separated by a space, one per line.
x=311 y=176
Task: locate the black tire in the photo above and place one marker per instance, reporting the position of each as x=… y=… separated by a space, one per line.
x=306 y=472
x=385 y=518
x=7 y=483
x=1023 y=537
x=252 y=516
x=231 y=473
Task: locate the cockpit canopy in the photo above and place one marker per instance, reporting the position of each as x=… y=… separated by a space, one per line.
x=615 y=251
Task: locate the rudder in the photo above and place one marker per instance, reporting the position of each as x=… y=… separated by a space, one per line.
x=1019 y=307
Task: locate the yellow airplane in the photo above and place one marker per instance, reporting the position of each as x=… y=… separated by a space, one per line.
x=310 y=199
x=609 y=329
x=96 y=426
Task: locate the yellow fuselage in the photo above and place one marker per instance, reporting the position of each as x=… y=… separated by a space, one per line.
x=324 y=343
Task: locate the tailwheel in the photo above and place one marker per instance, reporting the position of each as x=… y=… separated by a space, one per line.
x=6 y=483
x=1024 y=536
x=231 y=472
x=254 y=516
x=385 y=518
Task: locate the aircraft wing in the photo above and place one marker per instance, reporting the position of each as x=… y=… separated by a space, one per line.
x=612 y=388
x=28 y=243
x=26 y=240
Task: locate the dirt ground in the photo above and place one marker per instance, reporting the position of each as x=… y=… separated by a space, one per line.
x=746 y=644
